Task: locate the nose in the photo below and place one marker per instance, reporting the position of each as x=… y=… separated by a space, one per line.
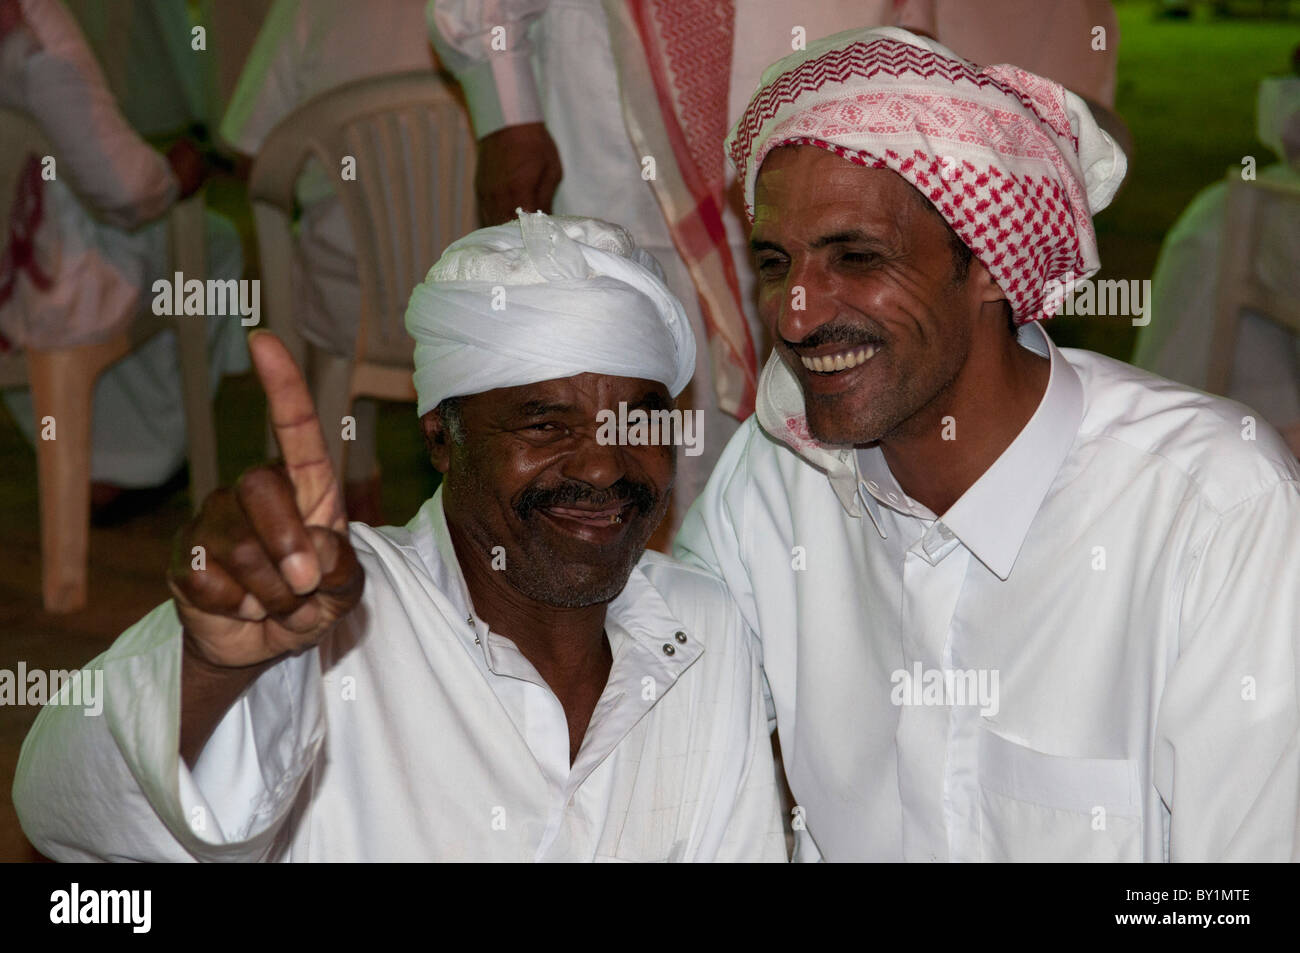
x=808 y=301
x=596 y=464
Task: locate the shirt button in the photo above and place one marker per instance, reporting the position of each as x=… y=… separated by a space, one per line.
x=668 y=648
x=680 y=637
x=873 y=485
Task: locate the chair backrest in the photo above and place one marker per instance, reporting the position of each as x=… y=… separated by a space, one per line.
x=1240 y=284
x=407 y=140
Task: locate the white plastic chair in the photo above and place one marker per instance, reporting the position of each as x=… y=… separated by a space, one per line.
x=1239 y=285
x=413 y=195
x=62 y=383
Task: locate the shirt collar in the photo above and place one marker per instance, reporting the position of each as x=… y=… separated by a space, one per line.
x=992 y=518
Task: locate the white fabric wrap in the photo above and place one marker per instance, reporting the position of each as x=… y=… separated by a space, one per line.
x=541 y=298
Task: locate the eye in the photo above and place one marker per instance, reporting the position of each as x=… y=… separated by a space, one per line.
x=858 y=257
x=545 y=426
x=771 y=264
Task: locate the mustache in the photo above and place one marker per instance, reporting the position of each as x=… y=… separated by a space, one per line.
x=639 y=495
x=852 y=335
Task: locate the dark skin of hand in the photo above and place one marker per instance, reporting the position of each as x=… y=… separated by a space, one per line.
x=280 y=572
x=188 y=165
x=518 y=167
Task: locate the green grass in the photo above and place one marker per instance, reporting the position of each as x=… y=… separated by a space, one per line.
x=1187 y=90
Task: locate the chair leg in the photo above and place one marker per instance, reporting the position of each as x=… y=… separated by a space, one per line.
x=332 y=391
x=189 y=255
x=63 y=388
x=200 y=429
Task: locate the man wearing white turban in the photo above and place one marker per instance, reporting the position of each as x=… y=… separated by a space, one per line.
x=1015 y=602
x=508 y=677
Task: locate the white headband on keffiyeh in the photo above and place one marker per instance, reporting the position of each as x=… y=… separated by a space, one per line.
x=1015 y=163
x=541 y=298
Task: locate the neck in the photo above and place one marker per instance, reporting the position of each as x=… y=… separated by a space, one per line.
x=553 y=638
x=988 y=403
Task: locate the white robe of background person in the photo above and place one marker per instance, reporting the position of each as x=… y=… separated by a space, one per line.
x=1176 y=344
x=103 y=238
x=305 y=48
x=564 y=74
x=1127 y=567
x=415 y=733
x=146 y=50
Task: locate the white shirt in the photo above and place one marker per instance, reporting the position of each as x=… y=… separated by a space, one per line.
x=416 y=733
x=306 y=48
x=1126 y=569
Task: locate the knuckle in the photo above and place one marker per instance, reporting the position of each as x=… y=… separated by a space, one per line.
x=206 y=590
x=256 y=482
x=217 y=502
x=279 y=601
x=246 y=555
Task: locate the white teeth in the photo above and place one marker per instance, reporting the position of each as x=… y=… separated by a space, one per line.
x=839 y=362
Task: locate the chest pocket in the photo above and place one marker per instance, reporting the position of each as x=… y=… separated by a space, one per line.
x=1041 y=807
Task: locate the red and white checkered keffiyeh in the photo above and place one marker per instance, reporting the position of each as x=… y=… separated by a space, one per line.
x=1014 y=162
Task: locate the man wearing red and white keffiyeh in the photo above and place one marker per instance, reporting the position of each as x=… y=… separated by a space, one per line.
x=1015 y=602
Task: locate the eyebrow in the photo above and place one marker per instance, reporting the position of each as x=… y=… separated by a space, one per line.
x=540 y=408
x=844 y=238
x=652 y=399
x=848 y=237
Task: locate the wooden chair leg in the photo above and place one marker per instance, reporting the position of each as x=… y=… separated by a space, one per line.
x=189 y=255
x=63 y=388
x=332 y=390
x=200 y=428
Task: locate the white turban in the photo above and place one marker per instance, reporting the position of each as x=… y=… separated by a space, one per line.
x=542 y=298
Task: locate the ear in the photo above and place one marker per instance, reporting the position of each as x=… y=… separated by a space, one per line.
x=983 y=285
x=437 y=440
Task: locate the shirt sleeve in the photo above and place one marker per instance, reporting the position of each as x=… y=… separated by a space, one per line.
x=745 y=824
x=712 y=533
x=123 y=180
x=267 y=89
x=111 y=785
x=485 y=43
x=1227 y=747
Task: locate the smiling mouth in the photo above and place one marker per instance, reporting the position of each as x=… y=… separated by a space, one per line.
x=839 y=361
x=611 y=515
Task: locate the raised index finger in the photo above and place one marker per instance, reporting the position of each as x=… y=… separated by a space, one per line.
x=297 y=429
